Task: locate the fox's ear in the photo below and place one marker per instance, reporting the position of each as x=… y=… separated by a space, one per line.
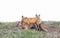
x=22 y=16
x=36 y=14
x=39 y=14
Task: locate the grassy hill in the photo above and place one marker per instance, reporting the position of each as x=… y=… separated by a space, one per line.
x=9 y=30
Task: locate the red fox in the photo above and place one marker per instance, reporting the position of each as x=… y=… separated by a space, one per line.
x=36 y=22
x=24 y=25
x=31 y=20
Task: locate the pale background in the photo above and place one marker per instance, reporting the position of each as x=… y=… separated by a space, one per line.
x=12 y=10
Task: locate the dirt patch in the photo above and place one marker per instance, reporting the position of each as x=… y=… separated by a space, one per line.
x=53 y=30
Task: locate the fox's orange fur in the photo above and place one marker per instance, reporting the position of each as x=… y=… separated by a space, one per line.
x=43 y=27
x=26 y=23
x=31 y=20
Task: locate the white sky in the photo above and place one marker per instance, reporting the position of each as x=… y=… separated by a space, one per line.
x=12 y=10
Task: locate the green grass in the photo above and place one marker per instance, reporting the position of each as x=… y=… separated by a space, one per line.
x=27 y=34
x=24 y=33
